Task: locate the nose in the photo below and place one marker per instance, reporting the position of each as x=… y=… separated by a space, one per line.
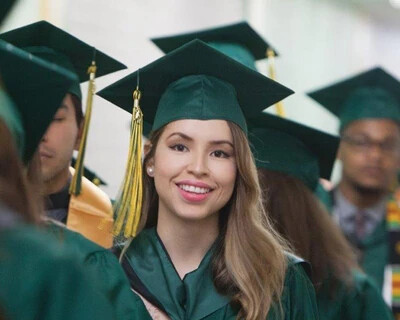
x=198 y=165
x=375 y=152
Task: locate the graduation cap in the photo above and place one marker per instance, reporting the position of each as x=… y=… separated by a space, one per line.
x=238 y=41
x=90 y=175
x=293 y=148
x=55 y=45
x=194 y=81
x=24 y=78
x=374 y=94
x=5 y=7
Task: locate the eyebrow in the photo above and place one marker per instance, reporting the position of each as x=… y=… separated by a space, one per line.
x=213 y=142
x=63 y=106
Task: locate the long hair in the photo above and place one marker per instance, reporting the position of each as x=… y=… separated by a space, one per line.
x=15 y=190
x=301 y=219
x=249 y=263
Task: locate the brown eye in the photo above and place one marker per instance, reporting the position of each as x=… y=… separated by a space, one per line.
x=220 y=154
x=179 y=147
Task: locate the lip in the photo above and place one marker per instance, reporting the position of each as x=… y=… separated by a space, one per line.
x=194 y=183
x=373 y=171
x=45 y=154
x=191 y=196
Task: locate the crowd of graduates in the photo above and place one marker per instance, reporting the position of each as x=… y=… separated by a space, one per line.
x=223 y=211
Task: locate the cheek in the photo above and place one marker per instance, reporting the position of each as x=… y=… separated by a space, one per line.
x=167 y=165
x=224 y=173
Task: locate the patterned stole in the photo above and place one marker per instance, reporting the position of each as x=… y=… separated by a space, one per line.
x=393 y=225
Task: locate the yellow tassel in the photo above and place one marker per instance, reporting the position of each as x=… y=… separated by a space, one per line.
x=129 y=204
x=75 y=187
x=272 y=74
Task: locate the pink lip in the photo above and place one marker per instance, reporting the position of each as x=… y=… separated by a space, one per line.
x=191 y=196
x=194 y=183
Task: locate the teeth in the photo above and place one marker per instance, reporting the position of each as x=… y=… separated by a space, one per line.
x=194 y=189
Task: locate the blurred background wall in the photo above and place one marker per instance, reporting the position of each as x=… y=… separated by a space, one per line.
x=319 y=41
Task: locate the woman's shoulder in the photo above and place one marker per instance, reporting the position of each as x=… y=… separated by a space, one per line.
x=298 y=298
x=295 y=263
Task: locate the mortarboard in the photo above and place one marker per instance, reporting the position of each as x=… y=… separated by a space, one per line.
x=369 y=95
x=238 y=41
x=293 y=148
x=24 y=78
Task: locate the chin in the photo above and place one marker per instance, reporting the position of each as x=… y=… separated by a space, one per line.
x=371 y=186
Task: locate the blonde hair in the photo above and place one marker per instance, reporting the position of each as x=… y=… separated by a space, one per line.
x=249 y=263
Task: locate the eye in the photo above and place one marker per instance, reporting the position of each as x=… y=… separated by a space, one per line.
x=220 y=154
x=58 y=119
x=179 y=147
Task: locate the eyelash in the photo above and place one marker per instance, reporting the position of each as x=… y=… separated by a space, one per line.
x=176 y=146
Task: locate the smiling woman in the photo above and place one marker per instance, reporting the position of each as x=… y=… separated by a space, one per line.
x=204 y=249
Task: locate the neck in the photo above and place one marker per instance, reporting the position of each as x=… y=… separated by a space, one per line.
x=56 y=183
x=187 y=242
x=361 y=197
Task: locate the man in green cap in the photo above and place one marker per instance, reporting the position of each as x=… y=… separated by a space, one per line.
x=290 y=159
x=39 y=280
x=71 y=198
x=364 y=205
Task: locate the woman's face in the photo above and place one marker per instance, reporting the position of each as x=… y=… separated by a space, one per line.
x=194 y=168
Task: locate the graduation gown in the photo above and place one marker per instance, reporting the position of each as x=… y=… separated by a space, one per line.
x=38 y=280
x=374 y=251
x=152 y=275
x=361 y=301
x=89 y=213
x=102 y=265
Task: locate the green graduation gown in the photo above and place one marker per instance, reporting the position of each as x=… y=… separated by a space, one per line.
x=374 y=250
x=375 y=254
x=38 y=280
x=103 y=266
x=361 y=301
x=152 y=274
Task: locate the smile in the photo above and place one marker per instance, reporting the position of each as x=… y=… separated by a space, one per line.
x=194 y=189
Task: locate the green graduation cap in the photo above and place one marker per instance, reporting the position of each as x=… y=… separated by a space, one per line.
x=372 y=94
x=55 y=45
x=194 y=81
x=5 y=7
x=58 y=46
x=283 y=145
x=238 y=41
x=24 y=78
x=90 y=175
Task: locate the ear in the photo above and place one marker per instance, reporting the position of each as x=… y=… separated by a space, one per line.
x=150 y=167
x=79 y=136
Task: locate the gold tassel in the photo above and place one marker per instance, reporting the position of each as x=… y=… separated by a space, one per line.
x=272 y=74
x=129 y=204
x=76 y=183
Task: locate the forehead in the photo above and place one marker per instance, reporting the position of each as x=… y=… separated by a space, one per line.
x=209 y=130
x=67 y=104
x=374 y=128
